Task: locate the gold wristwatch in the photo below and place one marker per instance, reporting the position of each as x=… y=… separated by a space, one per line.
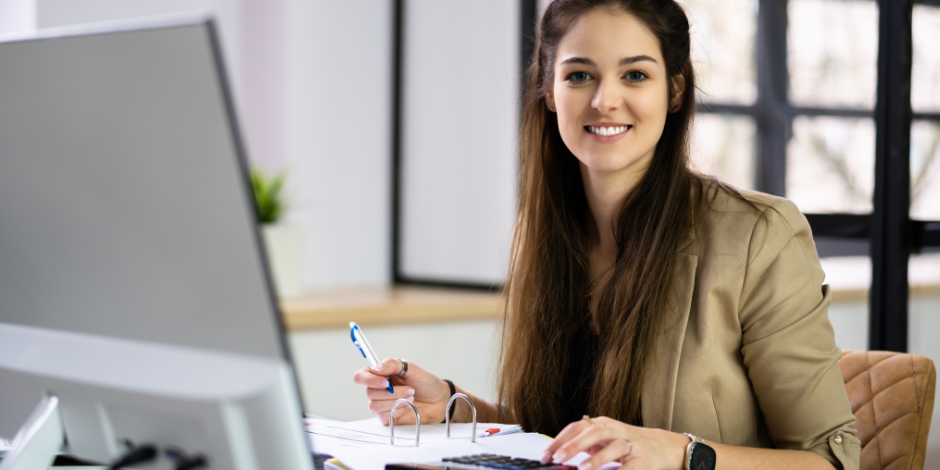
x=699 y=455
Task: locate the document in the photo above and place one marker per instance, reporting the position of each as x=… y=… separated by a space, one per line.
x=355 y=456
x=364 y=445
x=371 y=431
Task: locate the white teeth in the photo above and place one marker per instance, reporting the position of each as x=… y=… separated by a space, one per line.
x=608 y=130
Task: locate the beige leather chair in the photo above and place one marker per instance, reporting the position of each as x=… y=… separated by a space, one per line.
x=892 y=398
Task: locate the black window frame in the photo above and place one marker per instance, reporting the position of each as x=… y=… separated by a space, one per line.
x=888 y=234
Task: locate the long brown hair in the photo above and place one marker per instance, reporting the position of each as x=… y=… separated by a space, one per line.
x=548 y=280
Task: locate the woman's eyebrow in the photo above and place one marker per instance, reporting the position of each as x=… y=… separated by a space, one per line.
x=636 y=58
x=624 y=61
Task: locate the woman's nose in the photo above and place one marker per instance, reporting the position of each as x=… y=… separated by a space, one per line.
x=607 y=98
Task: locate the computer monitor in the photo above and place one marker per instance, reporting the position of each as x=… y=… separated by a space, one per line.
x=133 y=283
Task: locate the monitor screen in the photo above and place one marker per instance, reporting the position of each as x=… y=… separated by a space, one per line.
x=124 y=206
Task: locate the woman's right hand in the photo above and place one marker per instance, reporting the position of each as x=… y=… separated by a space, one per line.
x=428 y=393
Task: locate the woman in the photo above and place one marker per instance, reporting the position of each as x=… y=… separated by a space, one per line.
x=639 y=291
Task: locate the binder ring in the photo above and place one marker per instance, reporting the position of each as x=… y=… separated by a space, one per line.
x=473 y=435
x=391 y=421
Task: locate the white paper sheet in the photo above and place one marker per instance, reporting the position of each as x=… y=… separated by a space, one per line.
x=373 y=431
x=359 y=456
x=362 y=453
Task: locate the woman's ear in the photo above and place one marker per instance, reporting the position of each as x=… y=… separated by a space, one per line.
x=678 y=89
x=550 y=102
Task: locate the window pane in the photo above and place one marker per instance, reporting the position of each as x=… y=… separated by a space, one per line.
x=724 y=146
x=925 y=170
x=833 y=52
x=831 y=164
x=925 y=82
x=723 y=34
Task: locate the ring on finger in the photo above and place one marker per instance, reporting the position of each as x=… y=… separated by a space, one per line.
x=629 y=448
x=404 y=369
x=588 y=418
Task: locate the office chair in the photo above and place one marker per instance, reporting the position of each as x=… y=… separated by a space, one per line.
x=892 y=398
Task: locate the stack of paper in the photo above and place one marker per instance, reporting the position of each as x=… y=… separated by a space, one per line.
x=364 y=445
x=371 y=431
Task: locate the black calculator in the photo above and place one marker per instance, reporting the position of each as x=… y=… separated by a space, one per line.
x=480 y=462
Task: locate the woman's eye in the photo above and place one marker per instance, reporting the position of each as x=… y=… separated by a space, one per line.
x=579 y=77
x=636 y=76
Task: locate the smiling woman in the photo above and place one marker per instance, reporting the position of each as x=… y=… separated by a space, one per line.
x=689 y=317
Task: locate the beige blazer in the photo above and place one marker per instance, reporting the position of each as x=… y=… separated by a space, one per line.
x=749 y=356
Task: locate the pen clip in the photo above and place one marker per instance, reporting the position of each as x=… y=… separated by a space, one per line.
x=352 y=334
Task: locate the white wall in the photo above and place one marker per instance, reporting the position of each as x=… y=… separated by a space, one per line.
x=461 y=105
x=17 y=16
x=339 y=137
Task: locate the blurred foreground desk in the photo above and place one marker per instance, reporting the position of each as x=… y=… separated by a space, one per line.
x=388 y=306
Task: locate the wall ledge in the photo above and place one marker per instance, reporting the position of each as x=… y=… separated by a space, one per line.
x=401 y=305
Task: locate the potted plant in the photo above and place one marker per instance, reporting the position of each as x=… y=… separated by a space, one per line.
x=283 y=242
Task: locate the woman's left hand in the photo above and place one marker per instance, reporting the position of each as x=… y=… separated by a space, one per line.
x=608 y=440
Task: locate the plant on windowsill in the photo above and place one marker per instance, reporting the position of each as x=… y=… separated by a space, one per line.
x=283 y=242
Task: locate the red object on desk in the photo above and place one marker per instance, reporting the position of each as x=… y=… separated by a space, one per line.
x=491 y=431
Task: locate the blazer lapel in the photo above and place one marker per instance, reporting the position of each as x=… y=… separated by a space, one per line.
x=659 y=386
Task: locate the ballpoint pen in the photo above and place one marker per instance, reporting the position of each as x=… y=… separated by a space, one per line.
x=362 y=343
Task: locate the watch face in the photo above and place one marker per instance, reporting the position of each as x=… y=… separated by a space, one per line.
x=703 y=457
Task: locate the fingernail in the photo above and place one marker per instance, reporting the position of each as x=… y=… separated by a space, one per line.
x=559 y=456
x=584 y=466
x=385 y=384
x=411 y=399
x=546 y=456
x=377 y=367
x=409 y=392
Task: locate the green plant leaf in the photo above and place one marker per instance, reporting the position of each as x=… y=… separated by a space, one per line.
x=269 y=195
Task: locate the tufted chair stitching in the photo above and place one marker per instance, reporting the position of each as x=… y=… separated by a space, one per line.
x=920 y=408
x=896 y=419
x=889 y=387
x=858 y=374
x=874 y=416
x=855 y=376
x=890 y=376
x=895 y=460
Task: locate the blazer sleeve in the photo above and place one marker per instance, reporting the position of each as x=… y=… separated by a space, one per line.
x=788 y=343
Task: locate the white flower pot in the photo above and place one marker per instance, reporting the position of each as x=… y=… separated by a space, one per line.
x=284 y=244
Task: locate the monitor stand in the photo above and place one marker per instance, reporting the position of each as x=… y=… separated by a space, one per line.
x=39 y=440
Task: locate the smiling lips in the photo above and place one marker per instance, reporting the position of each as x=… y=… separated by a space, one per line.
x=607 y=130
x=607 y=133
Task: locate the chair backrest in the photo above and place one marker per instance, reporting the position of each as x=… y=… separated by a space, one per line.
x=892 y=398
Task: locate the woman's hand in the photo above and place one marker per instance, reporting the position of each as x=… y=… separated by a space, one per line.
x=428 y=393
x=609 y=440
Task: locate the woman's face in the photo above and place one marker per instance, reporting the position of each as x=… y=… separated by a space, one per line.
x=610 y=92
